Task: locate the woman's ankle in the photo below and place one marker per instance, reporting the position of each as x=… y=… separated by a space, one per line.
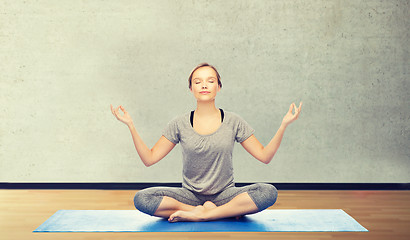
x=209 y=205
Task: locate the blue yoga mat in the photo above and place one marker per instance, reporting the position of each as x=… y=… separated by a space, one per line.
x=280 y=220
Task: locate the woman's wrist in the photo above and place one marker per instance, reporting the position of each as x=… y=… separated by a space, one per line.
x=130 y=125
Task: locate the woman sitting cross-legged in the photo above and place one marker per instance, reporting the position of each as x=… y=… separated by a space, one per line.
x=207 y=136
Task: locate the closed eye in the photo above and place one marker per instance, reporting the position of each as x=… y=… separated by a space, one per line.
x=209 y=81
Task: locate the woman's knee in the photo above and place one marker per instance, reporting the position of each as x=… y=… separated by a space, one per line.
x=272 y=193
x=147 y=201
x=265 y=195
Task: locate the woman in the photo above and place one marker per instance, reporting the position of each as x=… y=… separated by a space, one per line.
x=207 y=137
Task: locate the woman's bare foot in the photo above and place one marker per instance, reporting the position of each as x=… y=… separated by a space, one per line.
x=196 y=215
x=209 y=205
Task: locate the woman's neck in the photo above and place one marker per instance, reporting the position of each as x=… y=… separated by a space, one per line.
x=206 y=109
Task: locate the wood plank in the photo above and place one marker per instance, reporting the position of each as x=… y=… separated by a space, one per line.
x=386 y=214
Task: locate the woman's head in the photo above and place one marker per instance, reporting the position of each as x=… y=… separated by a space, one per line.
x=204 y=78
x=200 y=66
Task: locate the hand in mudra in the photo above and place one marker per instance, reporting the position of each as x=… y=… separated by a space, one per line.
x=290 y=117
x=125 y=119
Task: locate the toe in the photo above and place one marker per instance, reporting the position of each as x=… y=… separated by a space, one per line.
x=171 y=218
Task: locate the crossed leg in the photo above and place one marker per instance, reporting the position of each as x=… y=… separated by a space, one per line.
x=179 y=204
x=176 y=211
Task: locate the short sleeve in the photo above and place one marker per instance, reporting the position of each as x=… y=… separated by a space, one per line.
x=244 y=130
x=171 y=131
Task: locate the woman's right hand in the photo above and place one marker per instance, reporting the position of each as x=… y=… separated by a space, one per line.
x=125 y=119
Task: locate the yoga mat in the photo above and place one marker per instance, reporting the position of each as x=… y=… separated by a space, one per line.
x=280 y=220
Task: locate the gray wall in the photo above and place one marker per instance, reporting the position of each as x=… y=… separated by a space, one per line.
x=64 y=62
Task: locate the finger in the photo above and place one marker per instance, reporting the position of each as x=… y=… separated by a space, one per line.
x=122 y=109
x=300 y=106
x=117 y=113
x=112 y=109
x=290 y=108
x=296 y=109
x=297 y=115
x=299 y=110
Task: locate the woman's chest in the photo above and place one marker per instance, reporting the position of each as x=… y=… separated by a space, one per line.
x=206 y=127
x=221 y=140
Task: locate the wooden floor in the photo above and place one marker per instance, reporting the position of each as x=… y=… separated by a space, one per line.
x=386 y=214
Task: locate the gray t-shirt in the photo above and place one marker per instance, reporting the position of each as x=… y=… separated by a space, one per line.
x=207 y=159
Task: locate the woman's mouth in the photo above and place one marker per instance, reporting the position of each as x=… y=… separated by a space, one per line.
x=204 y=92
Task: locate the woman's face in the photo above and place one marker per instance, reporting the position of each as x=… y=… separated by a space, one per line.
x=204 y=79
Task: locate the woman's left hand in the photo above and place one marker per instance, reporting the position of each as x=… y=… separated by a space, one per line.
x=290 y=117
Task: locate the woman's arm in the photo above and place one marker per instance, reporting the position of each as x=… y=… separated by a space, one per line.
x=265 y=154
x=270 y=149
x=258 y=151
x=151 y=156
x=148 y=156
x=142 y=149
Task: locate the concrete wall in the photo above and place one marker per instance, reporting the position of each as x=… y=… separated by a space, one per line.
x=64 y=62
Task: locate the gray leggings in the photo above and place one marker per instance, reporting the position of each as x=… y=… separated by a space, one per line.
x=147 y=200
